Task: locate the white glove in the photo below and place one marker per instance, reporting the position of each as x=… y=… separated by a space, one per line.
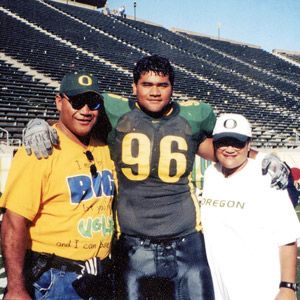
x=277 y=169
x=40 y=137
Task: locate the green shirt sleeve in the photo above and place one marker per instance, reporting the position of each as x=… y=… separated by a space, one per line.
x=115 y=107
x=200 y=116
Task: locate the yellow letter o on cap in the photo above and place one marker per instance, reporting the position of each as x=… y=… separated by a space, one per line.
x=85 y=80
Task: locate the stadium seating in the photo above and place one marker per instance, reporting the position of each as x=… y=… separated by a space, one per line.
x=53 y=38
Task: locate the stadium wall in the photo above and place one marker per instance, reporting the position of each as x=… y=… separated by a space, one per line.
x=174 y=29
x=6 y=155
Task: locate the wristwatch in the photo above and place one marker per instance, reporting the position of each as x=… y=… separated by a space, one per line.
x=289 y=285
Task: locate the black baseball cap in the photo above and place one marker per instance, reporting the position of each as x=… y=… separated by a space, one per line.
x=77 y=83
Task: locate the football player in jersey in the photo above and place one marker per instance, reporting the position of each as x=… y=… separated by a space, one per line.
x=59 y=210
x=159 y=248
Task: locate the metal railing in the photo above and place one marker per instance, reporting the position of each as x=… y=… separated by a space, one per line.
x=7 y=135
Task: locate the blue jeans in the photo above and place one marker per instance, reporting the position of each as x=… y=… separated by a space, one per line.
x=56 y=284
x=173 y=269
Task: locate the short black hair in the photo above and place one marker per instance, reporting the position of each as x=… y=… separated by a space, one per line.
x=156 y=64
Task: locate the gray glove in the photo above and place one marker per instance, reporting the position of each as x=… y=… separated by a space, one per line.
x=277 y=169
x=40 y=137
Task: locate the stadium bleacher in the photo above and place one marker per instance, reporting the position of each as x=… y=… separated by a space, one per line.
x=53 y=38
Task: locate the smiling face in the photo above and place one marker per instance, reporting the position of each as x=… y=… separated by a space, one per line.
x=231 y=154
x=153 y=91
x=76 y=122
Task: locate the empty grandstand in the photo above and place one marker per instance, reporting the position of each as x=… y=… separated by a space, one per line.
x=42 y=40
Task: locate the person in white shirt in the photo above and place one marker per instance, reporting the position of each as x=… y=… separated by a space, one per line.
x=250 y=229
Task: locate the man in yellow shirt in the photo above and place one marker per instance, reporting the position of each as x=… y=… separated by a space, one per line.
x=58 y=211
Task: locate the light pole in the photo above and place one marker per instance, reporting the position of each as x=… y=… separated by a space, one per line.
x=219 y=30
x=134 y=9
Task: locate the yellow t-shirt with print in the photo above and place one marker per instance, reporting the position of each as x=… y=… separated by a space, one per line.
x=70 y=210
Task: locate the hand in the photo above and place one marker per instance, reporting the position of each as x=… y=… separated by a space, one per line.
x=286 y=294
x=277 y=169
x=39 y=137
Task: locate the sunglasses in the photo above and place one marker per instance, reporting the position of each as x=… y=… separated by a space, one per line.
x=234 y=143
x=92 y=100
x=93 y=168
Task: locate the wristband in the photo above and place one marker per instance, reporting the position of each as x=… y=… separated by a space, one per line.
x=289 y=285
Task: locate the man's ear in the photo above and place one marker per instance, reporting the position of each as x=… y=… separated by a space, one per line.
x=134 y=89
x=58 y=102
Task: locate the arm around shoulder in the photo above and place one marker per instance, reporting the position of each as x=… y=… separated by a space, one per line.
x=39 y=137
x=206 y=150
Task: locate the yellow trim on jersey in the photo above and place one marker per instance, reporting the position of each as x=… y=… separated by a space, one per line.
x=117 y=225
x=198 y=225
x=189 y=103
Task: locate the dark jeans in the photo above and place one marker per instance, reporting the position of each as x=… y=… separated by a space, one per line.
x=169 y=269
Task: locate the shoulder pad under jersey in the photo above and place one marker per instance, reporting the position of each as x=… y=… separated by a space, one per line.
x=199 y=114
x=115 y=107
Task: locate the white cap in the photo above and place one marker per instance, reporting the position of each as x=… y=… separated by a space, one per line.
x=232 y=125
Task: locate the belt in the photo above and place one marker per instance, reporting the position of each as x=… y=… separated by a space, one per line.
x=152 y=240
x=58 y=262
x=66 y=264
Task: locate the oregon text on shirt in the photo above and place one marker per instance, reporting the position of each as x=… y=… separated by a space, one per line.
x=222 y=203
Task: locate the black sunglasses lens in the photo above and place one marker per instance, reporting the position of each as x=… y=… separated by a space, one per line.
x=77 y=103
x=230 y=142
x=240 y=145
x=93 y=101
